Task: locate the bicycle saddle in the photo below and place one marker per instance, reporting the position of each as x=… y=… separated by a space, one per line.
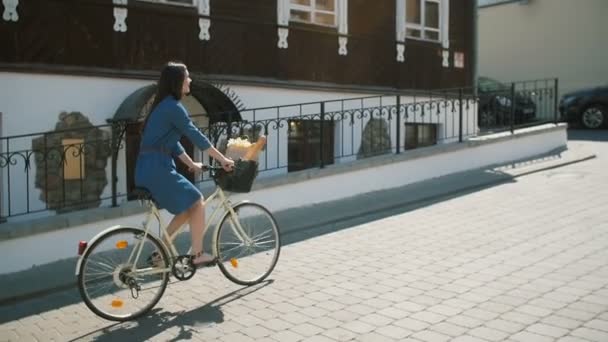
x=142 y=194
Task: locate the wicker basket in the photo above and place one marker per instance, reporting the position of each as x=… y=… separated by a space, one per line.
x=240 y=179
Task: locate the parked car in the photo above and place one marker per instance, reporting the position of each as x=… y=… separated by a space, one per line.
x=588 y=107
x=495 y=102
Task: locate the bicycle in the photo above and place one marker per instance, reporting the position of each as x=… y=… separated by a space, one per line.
x=124 y=271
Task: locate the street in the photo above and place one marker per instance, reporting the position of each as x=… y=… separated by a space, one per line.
x=525 y=260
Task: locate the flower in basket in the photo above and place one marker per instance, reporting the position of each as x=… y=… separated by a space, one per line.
x=237 y=147
x=240 y=148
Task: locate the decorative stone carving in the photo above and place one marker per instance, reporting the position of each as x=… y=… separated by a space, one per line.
x=446 y=58
x=283 y=22
x=204 y=24
x=400 y=52
x=283 y=33
x=120 y=16
x=342 y=51
x=375 y=139
x=342 y=27
x=61 y=194
x=400 y=30
x=10 y=10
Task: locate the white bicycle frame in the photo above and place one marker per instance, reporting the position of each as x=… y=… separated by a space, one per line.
x=171 y=250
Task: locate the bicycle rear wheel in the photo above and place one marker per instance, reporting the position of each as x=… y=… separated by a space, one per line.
x=113 y=284
x=248 y=244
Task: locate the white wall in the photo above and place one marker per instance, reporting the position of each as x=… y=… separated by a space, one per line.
x=545 y=39
x=62 y=244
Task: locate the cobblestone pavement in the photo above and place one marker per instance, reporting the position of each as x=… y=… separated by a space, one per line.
x=525 y=260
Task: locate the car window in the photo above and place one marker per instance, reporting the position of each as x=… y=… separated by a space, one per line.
x=488 y=84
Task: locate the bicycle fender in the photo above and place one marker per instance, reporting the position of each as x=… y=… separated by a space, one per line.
x=92 y=241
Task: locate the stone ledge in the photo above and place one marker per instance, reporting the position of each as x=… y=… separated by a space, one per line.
x=14 y=230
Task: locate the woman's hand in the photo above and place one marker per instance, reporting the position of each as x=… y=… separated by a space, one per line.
x=227 y=164
x=196 y=167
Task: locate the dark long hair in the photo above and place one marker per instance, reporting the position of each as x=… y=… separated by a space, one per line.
x=171 y=81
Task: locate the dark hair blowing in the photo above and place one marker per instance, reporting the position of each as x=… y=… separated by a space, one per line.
x=171 y=82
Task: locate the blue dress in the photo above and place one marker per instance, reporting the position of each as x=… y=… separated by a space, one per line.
x=155 y=168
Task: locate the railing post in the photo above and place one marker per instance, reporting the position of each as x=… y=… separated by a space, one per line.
x=460 y=115
x=398 y=138
x=555 y=100
x=114 y=146
x=322 y=165
x=512 y=114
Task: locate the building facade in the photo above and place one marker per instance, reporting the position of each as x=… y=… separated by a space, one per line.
x=277 y=67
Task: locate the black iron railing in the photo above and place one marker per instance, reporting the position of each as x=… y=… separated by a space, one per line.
x=88 y=166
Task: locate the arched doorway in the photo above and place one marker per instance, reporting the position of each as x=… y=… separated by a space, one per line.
x=206 y=104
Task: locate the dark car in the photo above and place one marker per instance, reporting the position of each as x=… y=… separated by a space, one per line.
x=496 y=101
x=588 y=107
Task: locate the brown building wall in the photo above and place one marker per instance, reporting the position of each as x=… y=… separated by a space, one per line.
x=79 y=33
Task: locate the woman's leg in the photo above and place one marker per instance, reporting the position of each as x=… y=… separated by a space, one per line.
x=197 y=230
x=177 y=221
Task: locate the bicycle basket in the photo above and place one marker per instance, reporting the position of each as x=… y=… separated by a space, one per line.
x=240 y=179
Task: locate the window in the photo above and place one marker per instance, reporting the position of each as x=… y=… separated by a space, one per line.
x=419 y=135
x=423 y=18
x=319 y=12
x=73 y=167
x=304 y=144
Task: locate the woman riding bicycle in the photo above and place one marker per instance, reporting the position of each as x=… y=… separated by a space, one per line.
x=155 y=169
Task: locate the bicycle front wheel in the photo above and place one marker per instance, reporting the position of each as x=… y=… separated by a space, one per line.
x=123 y=274
x=248 y=244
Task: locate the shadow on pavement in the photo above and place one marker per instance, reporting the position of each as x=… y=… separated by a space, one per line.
x=157 y=321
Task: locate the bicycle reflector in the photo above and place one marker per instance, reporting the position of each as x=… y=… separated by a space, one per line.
x=117 y=303
x=234 y=262
x=82 y=245
x=122 y=244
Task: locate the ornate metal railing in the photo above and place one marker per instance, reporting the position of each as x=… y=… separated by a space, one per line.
x=87 y=166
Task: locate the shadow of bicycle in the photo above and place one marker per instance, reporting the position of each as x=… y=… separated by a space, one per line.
x=159 y=321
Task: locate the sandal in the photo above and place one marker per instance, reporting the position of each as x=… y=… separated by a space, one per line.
x=208 y=260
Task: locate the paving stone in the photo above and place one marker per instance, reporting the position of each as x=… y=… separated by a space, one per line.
x=306 y=329
x=287 y=336
x=449 y=329
x=488 y=334
x=526 y=336
x=339 y=334
x=505 y=326
x=394 y=332
x=547 y=330
x=598 y=324
x=430 y=336
x=591 y=334
x=428 y=317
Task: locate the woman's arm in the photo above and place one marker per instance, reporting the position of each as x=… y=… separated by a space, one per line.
x=185 y=158
x=226 y=163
